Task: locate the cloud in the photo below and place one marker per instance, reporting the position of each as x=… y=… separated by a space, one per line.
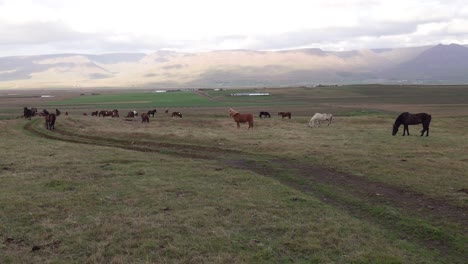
x=145 y=26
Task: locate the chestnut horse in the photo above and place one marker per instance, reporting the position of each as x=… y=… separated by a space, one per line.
x=285 y=114
x=241 y=118
x=406 y=119
x=144 y=118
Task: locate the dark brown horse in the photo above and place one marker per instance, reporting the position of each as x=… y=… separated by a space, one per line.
x=49 y=120
x=241 y=118
x=27 y=113
x=57 y=112
x=144 y=117
x=406 y=119
x=151 y=112
x=264 y=114
x=95 y=113
x=177 y=114
x=285 y=114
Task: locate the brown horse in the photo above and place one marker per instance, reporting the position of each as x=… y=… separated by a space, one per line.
x=177 y=114
x=130 y=114
x=95 y=113
x=285 y=114
x=241 y=118
x=49 y=120
x=406 y=119
x=144 y=118
x=57 y=112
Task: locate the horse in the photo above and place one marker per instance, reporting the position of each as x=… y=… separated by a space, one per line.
x=176 y=114
x=57 y=112
x=135 y=113
x=406 y=119
x=144 y=118
x=95 y=113
x=115 y=113
x=85 y=114
x=130 y=114
x=241 y=118
x=166 y=111
x=264 y=114
x=285 y=114
x=49 y=120
x=27 y=113
x=66 y=113
x=318 y=118
x=151 y=112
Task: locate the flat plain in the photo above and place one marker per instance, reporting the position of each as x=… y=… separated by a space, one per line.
x=199 y=190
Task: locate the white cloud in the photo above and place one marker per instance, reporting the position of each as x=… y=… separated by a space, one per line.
x=101 y=26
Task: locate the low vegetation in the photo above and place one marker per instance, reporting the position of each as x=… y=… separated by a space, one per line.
x=199 y=190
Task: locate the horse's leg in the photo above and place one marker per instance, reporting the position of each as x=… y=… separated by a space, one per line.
x=238 y=126
x=405 y=129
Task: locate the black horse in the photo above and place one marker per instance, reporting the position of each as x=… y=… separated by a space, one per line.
x=264 y=115
x=406 y=119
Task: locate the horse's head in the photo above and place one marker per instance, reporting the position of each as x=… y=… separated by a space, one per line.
x=233 y=112
x=395 y=129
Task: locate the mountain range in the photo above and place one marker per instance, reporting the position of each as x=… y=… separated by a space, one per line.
x=447 y=64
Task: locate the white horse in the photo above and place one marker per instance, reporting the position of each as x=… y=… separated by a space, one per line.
x=318 y=118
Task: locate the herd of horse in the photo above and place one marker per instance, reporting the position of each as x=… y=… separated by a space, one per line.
x=404 y=119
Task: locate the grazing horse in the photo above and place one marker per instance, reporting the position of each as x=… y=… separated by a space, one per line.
x=95 y=113
x=115 y=113
x=177 y=114
x=27 y=113
x=49 y=120
x=406 y=119
x=144 y=118
x=85 y=114
x=285 y=114
x=130 y=114
x=318 y=118
x=57 y=112
x=151 y=112
x=264 y=114
x=241 y=118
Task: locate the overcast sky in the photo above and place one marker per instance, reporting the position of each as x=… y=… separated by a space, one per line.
x=29 y=27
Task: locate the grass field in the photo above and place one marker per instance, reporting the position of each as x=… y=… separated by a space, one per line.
x=198 y=190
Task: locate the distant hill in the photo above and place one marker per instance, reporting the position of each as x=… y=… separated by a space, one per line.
x=238 y=68
x=442 y=63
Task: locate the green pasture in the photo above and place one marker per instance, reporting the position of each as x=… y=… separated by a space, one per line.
x=167 y=99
